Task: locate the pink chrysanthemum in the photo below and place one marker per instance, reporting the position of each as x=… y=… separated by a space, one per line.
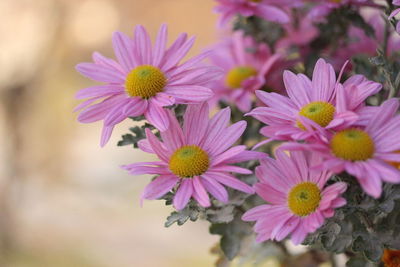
x=394 y=13
x=246 y=65
x=196 y=158
x=143 y=81
x=270 y=10
x=322 y=101
x=298 y=201
x=366 y=152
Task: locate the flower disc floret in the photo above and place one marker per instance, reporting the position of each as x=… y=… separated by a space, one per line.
x=304 y=198
x=353 y=145
x=319 y=111
x=189 y=161
x=237 y=75
x=145 y=81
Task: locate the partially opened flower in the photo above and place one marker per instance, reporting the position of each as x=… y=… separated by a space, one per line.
x=143 y=80
x=246 y=67
x=298 y=199
x=322 y=101
x=195 y=159
x=270 y=10
x=368 y=152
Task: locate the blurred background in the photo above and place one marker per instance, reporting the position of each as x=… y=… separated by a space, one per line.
x=64 y=201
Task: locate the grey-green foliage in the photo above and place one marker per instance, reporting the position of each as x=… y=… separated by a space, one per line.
x=364 y=227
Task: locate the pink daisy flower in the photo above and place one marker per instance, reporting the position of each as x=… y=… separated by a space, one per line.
x=196 y=158
x=143 y=80
x=368 y=153
x=270 y=10
x=322 y=101
x=245 y=65
x=298 y=200
x=394 y=13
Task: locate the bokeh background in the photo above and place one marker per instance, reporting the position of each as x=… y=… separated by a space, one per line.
x=64 y=201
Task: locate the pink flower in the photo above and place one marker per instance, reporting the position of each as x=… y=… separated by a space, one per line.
x=364 y=152
x=322 y=101
x=270 y=10
x=298 y=200
x=245 y=65
x=143 y=80
x=196 y=158
x=395 y=12
x=324 y=7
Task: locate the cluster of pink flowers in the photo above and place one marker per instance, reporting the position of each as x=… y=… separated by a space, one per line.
x=324 y=123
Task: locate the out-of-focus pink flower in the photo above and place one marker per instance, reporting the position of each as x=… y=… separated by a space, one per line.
x=395 y=12
x=321 y=101
x=143 y=80
x=298 y=200
x=246 y=67
x=361 y=44
x=366 y=152
x=195 y=159
x=271 y=10
x=323 y=7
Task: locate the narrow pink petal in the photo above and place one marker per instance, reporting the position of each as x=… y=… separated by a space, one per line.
x=135 y=107
x=245 y=156
x=231 y=181
x=215 y=188
x=142 y=43
x=289 y=226
x=200 y=193
x=123 y=48
x=229 y=136
x=298 y=235
x=159 y=186
x=227 y=155
x=100 y=73
x=195 y=123
x=269 y=194
x=183 y=194
x=156 y=146
x=157 y=116
x=163 y=100
x=99 y=91
x=323 y=81
x=176 y=56
x=173 y=137
x=216 y=125
x=105 y=135
x=186 y=94
x=145 y=146
x=255 y=213
x=160 y=44
x=229 y=168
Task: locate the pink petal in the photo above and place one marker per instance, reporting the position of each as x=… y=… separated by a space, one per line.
x=231 y=181
x=100 y=73
x=159 y=186
x=215 y=189
x=123 y=48
x=183 y=194
x=157 y=116
x=200 y=193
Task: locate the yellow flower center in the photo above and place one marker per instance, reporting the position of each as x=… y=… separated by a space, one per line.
x=189 y=161
x=352 y=144
x=237 y=75
x=304 y=198
x=319 y=111
x=145 y=81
